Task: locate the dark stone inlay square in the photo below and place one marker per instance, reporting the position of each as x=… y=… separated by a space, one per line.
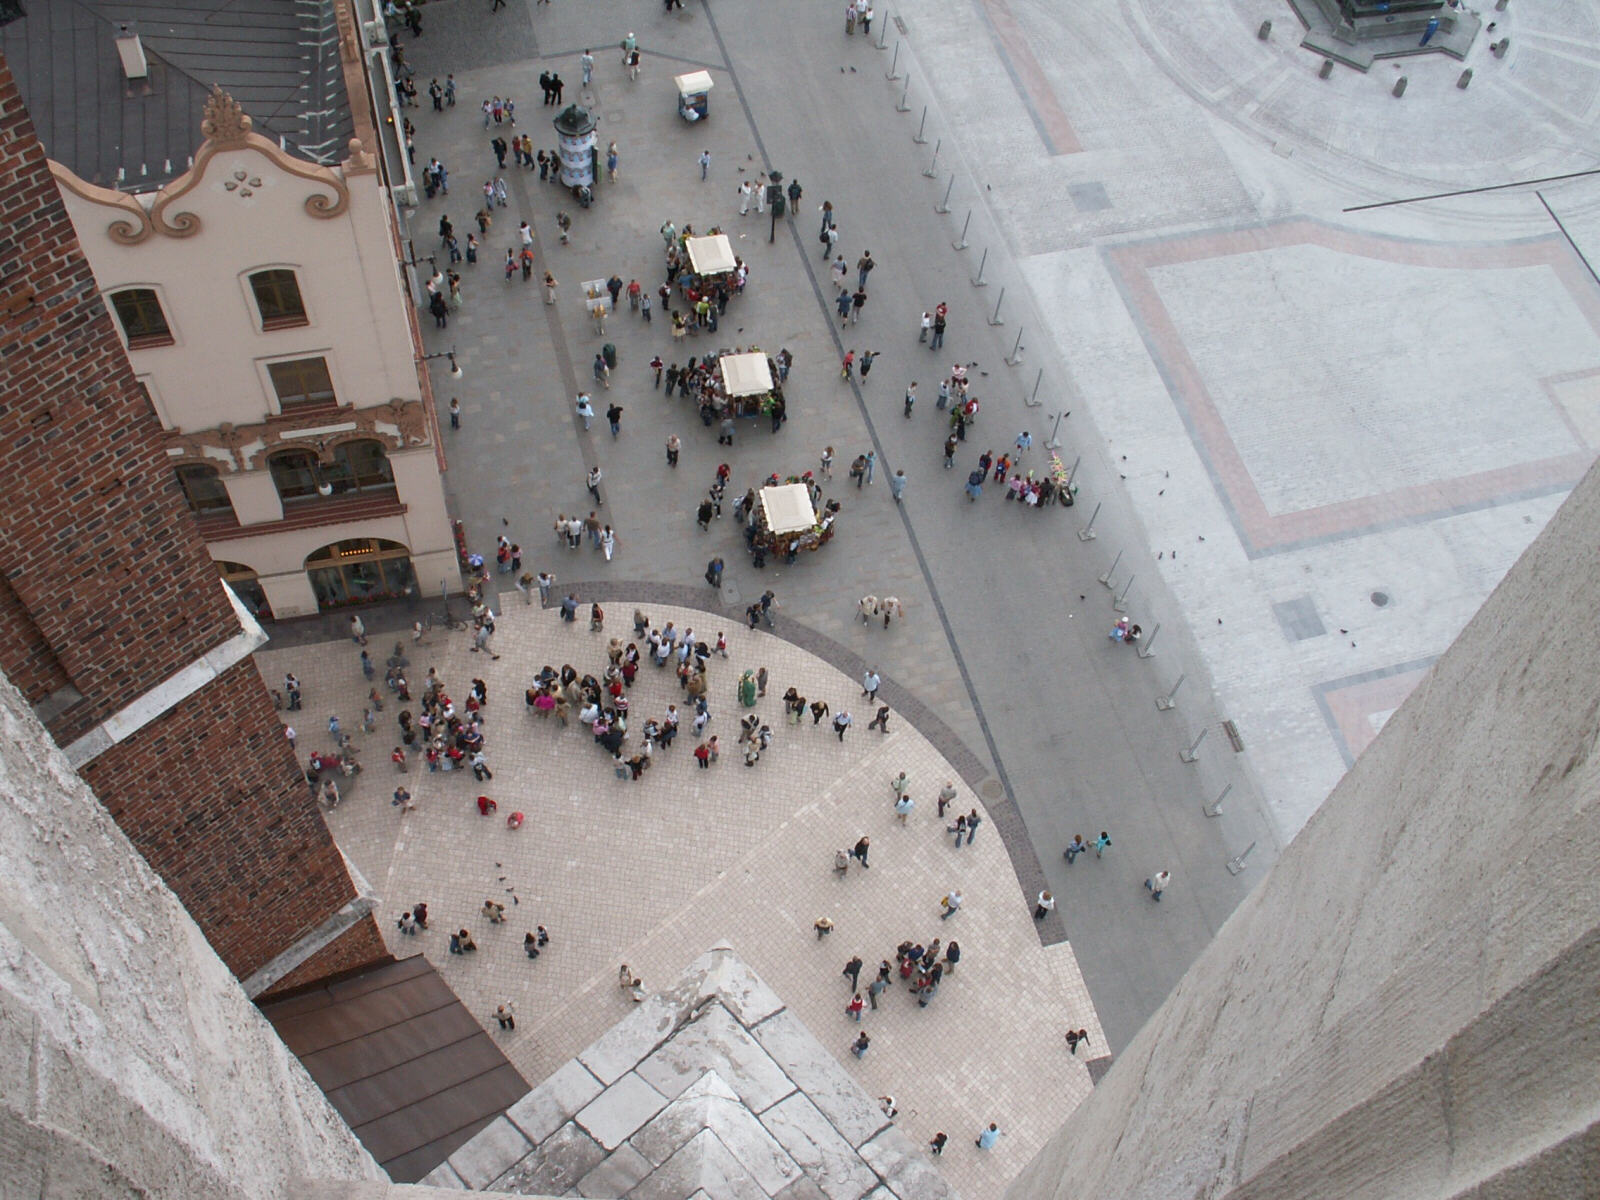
x=1299 y=619
x=1088 y=197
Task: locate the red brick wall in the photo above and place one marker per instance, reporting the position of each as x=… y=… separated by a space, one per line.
x=213 y=797
x=108 y=587
x=360 y=946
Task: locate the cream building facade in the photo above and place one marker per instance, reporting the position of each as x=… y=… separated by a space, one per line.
x=266 y=306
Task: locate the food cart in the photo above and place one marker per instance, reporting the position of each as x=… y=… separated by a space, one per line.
x=747 y=384
x=711 y=255
x=786 y=523
x=694 y=95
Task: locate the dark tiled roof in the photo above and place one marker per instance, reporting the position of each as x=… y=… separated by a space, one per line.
x=403 y=1061
x=278 y=58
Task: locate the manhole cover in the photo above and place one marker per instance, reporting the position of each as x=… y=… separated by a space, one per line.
x=1381 y=599
x=990 y=789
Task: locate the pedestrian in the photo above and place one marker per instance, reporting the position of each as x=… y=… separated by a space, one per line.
x=973 y=821
x=593 y=484
x=936 y=1147
x=841 y=723
x=988 y=1137
x=1075 y=1038
x=455 y=413
x=608 y=543
x=398 y=758
x=843 y=305
x=830 y=239
x=586 y=65
x=911 y=398
x=827 y=462
x=289 y=735
x=847 y=364
x=819 y=709
x=852 y=972
x=505 y=1016
x=858 y=301
x=855 y=1007
x=673 y=447
x=860 y=1045
x=1074 y=848
x=946 y=795
x=924 y=327
x=859 y=853
x=903 y=807
x=939 y=313
x=823 y=926
x=949 y=905
x=880 y=722
x=1157 y=884
x=408 y=924
x=705 y=164
x=1102 y=844
x=1045 y=906
x=614 y=412
x=714 y=572
x=870 y=465
x=952 y=956
x=874 y=990
x=546 y=581
x=761 y=681
x=870 y=683
x=864 y=266
x=975 y=485
x=897 y=484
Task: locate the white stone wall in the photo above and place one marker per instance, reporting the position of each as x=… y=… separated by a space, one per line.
x=1409 y=1003
x=130 y=1061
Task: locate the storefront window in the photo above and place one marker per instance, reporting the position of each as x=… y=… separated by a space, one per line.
x=360 y=571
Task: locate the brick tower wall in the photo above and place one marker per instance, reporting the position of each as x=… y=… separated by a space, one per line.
x=106 y=590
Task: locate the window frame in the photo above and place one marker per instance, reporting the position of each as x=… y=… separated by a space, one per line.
x=284 y=320
x=196 y=506
x=151 y=338
x=309 y=401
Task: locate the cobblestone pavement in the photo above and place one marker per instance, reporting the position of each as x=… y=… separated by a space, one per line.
x=654 y=873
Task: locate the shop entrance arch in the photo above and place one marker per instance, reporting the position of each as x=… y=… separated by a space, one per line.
x=360 y=571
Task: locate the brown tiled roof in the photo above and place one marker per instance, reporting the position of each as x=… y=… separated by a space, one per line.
x=402 y=1060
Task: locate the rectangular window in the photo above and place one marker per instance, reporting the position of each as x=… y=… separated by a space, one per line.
x=302 y=383
x=143 y=322
x=278 y=299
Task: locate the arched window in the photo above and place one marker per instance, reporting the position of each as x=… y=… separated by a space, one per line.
x=278 y=299
x=203 y=488
x=360 y=466
x=139 y=310
x=359 y=570
x=247 y=586
x=294 y=473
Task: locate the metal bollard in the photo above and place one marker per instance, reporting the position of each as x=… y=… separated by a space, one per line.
x=1016 y=356
x=1087 y=533
x=1399 y=87
x=1120 y=604
x=1170 y=701
x=1327 y=68
x=932 y=171
x=919 y=139
x=1236 y=863
x=903 y=106
x=1112 y=569
x=1214 y=809
x=1034 y=401
x=978 y=280
x=944 y=205
x=1055 y=444
x=961 y=244
x=1072 y=475
x=995 y=320
x=1464 y=79
x=1265 y=31
x=883 y=32
x=892 y=76
x=1193 y=752
x=1144 y=651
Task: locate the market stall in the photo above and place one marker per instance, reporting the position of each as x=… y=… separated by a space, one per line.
x=786 y=523
x=711 y=255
